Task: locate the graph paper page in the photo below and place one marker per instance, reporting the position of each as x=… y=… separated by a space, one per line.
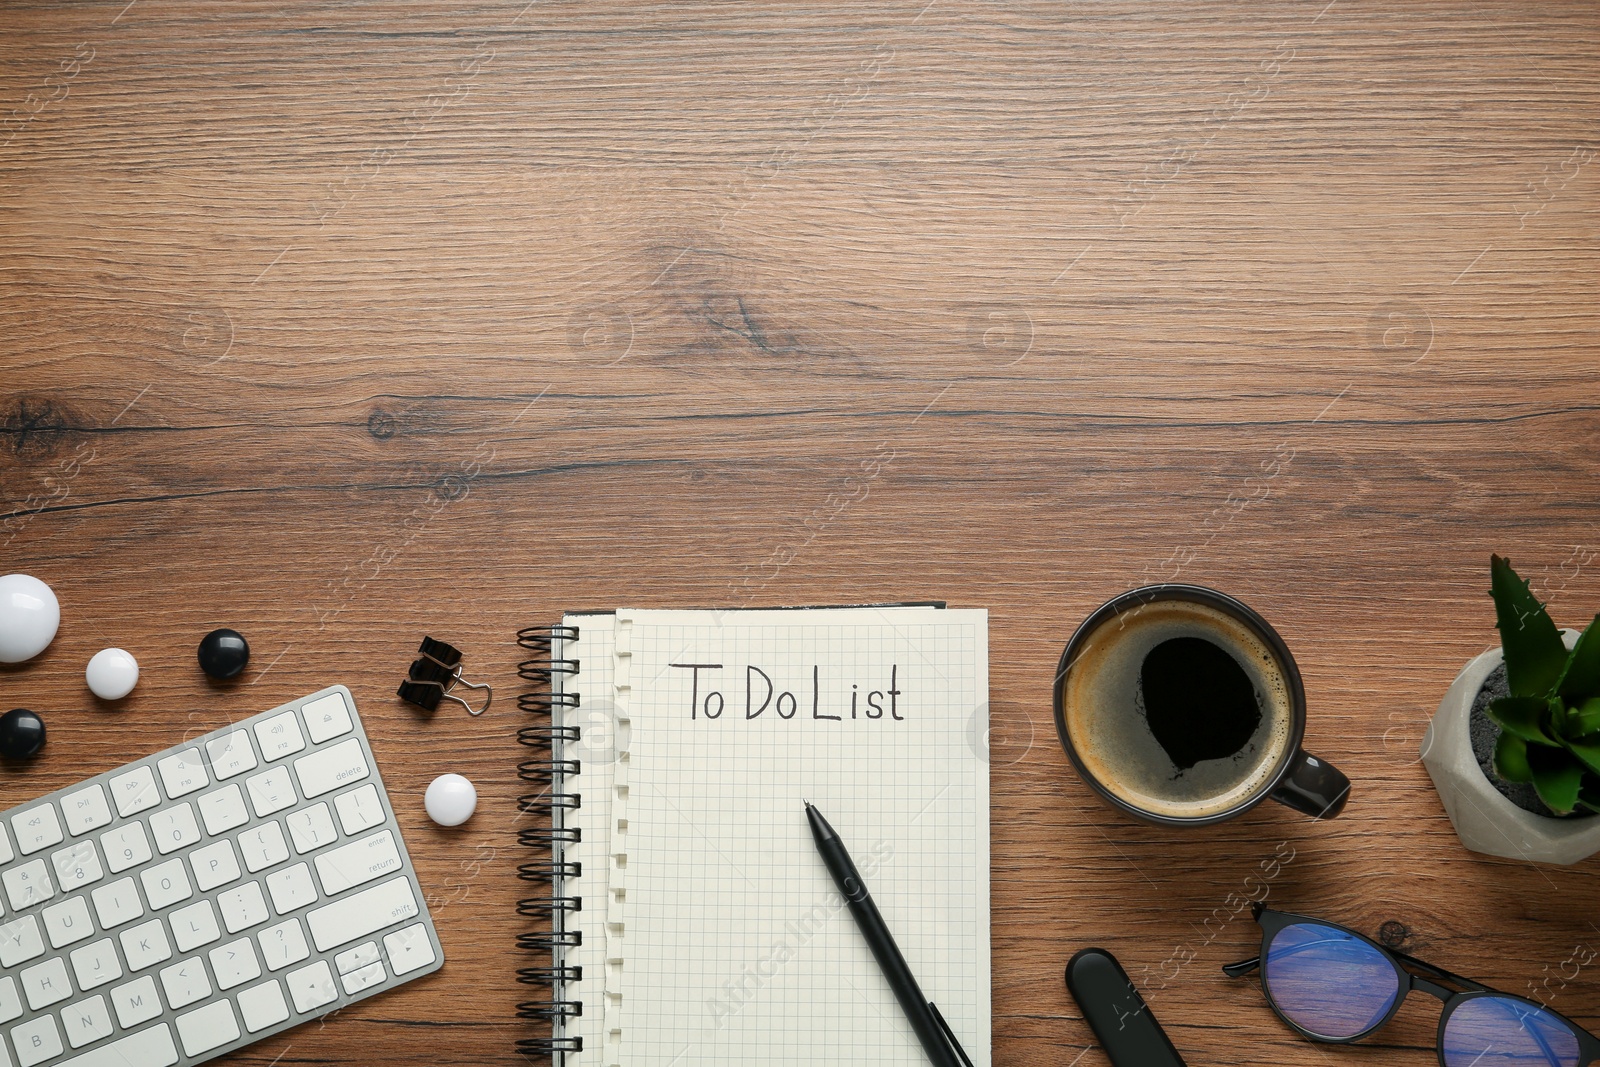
x=739 y=949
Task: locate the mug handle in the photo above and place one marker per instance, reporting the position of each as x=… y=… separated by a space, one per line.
x=1313 y=786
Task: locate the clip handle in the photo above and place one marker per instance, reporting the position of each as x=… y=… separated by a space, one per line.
x=950 y=1035
x=470 y=709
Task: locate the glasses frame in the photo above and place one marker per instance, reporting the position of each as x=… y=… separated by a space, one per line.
x=1431 y=982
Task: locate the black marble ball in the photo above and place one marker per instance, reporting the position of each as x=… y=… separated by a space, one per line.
x=21 y=734
x=223 y=653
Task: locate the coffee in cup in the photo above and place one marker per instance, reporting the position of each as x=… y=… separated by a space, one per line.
x=1181 y=705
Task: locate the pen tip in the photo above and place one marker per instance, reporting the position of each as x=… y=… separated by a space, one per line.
x=805 y=802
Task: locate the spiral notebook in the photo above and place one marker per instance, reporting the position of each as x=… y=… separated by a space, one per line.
x=691 y=920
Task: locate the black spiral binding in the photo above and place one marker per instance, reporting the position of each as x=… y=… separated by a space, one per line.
x=549 y=769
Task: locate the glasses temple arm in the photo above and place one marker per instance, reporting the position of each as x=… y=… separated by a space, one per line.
x=1242 y=968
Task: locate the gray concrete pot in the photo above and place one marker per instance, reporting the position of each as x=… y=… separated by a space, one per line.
x=1484 y=820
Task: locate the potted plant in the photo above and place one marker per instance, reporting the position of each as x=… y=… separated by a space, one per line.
x=1514 y=749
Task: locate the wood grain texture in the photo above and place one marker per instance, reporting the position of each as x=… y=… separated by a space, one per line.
x=342 y=323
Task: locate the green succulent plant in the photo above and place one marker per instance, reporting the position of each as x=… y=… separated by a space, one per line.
x=1550 y=724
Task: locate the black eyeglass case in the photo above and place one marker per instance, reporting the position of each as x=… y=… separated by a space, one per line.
x=1118 y=1015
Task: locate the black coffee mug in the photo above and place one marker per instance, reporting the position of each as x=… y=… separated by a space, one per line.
x=1295 y=777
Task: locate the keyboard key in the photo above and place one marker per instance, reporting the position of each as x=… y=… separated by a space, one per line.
x=76 y=866
x=46 y=983
x=327 y=770
x=86 y=1021
x=279 y=736
x=358 y=862
x=20 y=941
x=311 y=828
x=116 y=903
x=10 y=1001
x=67 y=922
x=231 y=754
x=223 y=809
x=357 y=980
x=28 y=884
x=174 y=828
x=36 y=828
x=95 y=965
x=185 y=983
x=291 y=888
x=361 y=914
x=235 y=963
x=207 y=1028
x=165 y=884
x=408 y=949
x=243 y=907
x=359 y=809
x=270 y=791
x=126 y=846
x=6 y=855
x=262 y=846
x=194 y=926
x=36 y=1040
x=136 y=1002
x=183 y=773
x=147 y=1048
x=262 y=1006
x=356 y=958
x=86 y=809
x=311 y=987
x=134 y=791
x=326 y=717
x=214 y=865
x=145 y=945
x=281 y=945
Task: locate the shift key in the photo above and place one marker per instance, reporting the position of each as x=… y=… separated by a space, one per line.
x=327 y=770
x=362 y=913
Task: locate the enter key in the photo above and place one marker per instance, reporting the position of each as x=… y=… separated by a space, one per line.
x=360 y=861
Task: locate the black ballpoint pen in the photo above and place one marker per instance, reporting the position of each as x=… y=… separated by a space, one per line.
x=934 y=1033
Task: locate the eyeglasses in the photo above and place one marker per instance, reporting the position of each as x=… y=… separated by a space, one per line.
x=1332 y=984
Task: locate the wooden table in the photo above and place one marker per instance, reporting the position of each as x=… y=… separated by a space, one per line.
x=345 y=323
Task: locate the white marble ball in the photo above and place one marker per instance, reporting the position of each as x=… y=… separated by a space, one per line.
x=112 y=674
x=29 y=616
x=450 y=800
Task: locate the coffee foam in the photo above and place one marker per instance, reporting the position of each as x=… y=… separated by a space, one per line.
x=1109 y=731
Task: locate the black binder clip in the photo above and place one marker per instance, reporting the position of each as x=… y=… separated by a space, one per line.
x=433 y=676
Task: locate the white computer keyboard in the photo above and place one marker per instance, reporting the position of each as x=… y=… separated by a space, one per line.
x=206 y=897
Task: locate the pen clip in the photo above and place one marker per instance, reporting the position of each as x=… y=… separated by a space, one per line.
x=949 y=1034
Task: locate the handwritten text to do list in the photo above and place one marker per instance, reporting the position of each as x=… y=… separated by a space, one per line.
x=761 y=694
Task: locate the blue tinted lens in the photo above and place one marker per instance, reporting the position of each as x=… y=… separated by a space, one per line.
x=1501 y=1032
x=1328 y=982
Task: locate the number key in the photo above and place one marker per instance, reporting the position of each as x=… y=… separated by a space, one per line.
x=28 y=884
x=174 y=828
x=76 y=866
x=126 y=846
